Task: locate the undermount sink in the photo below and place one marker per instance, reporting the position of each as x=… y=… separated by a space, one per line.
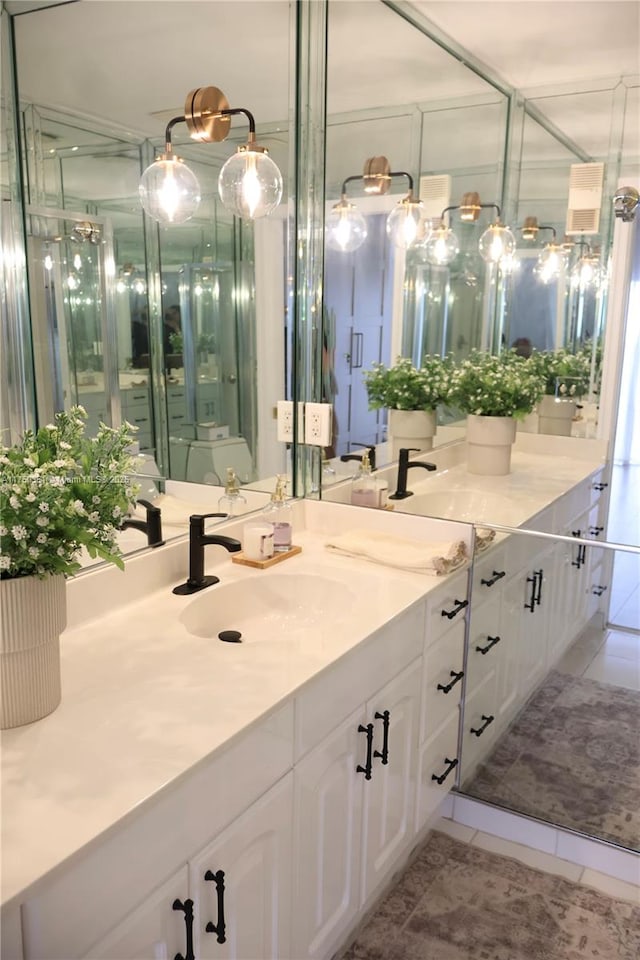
x=471 y=506
x=266 y=607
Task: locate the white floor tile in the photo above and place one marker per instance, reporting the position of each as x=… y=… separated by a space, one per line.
x=533 y=858
x=615 y=670
x=456 y=830
x=609 y=885
x=503 y=824
x=620 y=644
x=621 y=864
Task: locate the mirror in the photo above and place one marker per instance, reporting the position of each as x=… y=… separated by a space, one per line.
x=552 y=696
x=163 y=326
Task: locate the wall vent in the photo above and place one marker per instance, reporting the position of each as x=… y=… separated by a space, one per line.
x=585 y=198
x=435 y=193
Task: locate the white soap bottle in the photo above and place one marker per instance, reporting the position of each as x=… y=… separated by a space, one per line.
x=280 y=514
x=232 y=502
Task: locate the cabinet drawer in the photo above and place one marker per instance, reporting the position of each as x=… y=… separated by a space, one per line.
x=134 y=398
x=175 y=394
x=484 y=642
x=446 y=605
x=479 y=723
x=490 y=572
x=442 y=663
x=357 y=677
x=436 y=763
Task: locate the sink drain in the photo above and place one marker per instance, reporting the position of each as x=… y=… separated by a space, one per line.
x=230 y=636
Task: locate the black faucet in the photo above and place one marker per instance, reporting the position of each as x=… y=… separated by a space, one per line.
x=152 y=526
x=358 y=456
x=198 y=540
x=404 y=465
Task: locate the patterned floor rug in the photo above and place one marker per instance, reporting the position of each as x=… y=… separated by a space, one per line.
x=572 y=757
x=458 y=902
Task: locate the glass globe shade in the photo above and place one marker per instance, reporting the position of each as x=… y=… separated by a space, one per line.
x=403 y=223
x=346 y=228
x=496 y=242
x=169 y=191
x=442 y=246
x=587 y=273
x=550 y=261
x=250 y=184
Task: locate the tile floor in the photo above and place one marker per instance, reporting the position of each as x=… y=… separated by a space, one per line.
x=612 y=657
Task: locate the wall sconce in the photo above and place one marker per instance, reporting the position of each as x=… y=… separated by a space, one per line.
x=346 y=228
x=552 y=256
x=249 y=184
x=497 y=242
x=587 y=272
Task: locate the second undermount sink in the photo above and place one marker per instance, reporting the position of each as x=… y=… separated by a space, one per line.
x=471 y=506
x=281 y=606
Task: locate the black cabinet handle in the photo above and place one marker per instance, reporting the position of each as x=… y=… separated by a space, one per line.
x=599 y=486
x=480 y=730
x=598 y=590
x=384 y=753
x=459 y=605
x=497 y=575
x=451 y=765
x=595 y=531
x=187 y=909
x=492 y=642
x=538 y=589
x=580 y=556
x=219 y=928
x=531 y=605
x=367 y=767
x=449 y=686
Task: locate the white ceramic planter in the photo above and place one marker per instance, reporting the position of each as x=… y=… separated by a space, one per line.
x=411 y=428
x=555 y=415
x=489 y=442
x=33 y=614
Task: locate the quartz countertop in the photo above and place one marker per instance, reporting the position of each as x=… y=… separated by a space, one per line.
x=139 y=691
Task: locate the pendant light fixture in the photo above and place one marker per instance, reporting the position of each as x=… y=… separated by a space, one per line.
x=551 y=259
x=497 y=242
x=587 y=273
x=346 y=228
x=249 y=184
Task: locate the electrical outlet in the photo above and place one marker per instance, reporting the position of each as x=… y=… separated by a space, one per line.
x=285 y=421
x=318 y=418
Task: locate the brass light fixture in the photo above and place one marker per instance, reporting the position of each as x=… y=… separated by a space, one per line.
x=497 y=244
x=249 y=184
x=552 y=256
x=346 y=228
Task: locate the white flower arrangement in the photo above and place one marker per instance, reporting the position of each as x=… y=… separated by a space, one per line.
x=490 y=385
x=565 y=374
x=405 y=387
x=60 y=491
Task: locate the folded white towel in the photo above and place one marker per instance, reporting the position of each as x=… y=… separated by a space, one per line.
x=414 y=555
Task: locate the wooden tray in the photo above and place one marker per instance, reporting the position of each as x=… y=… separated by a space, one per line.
x=262 y=564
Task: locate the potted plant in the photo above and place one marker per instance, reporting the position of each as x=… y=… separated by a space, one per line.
x=566 y=376
x=411 y=395
x=494 y=391
x=60 y=491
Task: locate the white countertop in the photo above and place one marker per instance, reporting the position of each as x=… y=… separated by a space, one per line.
x=143 y=700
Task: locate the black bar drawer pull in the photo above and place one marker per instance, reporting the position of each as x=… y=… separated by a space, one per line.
x=480 y=730
x=384 y=753
x=598 y=590
x=492 y=642
x=367 y=767
x=599 y=486
x=449 y=686
x=497 y=575
x=459 y=605
x=595 y=531
x=187 y=909
x=219 y=928
x=451 y=765
x=531 y=605
x=538 y=589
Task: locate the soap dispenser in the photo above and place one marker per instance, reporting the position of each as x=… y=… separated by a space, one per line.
x=367 y=490
x=232 y=502
x=280 y=514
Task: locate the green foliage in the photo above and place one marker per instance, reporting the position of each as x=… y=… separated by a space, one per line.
x=404 y=387
x=565 y=374
x=60 y=491
x=489 y=385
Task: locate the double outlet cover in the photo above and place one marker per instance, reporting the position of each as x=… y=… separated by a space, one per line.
x=314 y=423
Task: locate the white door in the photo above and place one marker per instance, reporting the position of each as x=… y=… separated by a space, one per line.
x=389 y=796
x=241 y=883
x=155 y=930
x=328 y=817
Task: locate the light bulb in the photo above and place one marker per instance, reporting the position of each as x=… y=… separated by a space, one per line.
x=169 y=191
x=550 y=263
x=442 y=246
x=346 y=228
x=48 y=262
x=250 y=184
x=403 y=223
x=77 y=261
x=121 y=286
x=496 y=242
x=72 y=281
x=587 y=273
